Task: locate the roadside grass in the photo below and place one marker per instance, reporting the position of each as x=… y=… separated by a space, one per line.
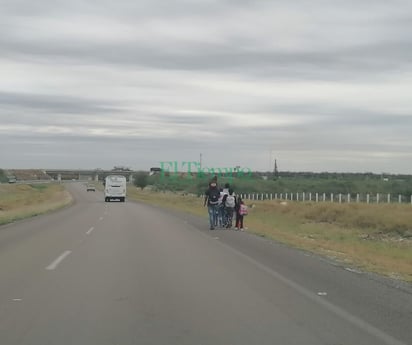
x=373 y=238
x=23 y=201
x=172 y=200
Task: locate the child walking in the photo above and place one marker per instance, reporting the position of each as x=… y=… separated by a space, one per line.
x=241 y=211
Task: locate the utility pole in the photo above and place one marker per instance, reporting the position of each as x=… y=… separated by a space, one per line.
x=200 y=162
x=275 y=169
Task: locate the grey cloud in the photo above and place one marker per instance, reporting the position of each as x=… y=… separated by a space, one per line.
x=131 y=129
x=56 y=104
x=382 y=55
x=126 y=9
x=83 y=151
x=341 y=64
x=185 y=120
x=73 y=150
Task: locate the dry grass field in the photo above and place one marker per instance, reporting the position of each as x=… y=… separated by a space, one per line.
x=22 y=201
x=374 y=238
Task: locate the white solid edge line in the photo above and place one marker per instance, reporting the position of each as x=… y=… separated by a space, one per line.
x=347 y=316
x=56 y=262
x=90 y=230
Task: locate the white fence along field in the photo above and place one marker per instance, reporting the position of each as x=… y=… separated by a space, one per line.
x=324 y=197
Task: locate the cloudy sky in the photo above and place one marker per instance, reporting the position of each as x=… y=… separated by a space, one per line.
x=320 y=85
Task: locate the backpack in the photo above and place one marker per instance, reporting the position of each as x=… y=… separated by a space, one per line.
x=243 y=210
x=230 y=201
x=214 y=195
x=221 y=197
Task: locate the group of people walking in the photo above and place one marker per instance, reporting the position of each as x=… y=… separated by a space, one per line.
x=222 y=204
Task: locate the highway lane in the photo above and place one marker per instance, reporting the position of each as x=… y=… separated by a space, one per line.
x=128 y=273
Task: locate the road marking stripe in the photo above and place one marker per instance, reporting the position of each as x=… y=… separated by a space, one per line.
x=352 y=319
x=90 y=231
x=56 y=262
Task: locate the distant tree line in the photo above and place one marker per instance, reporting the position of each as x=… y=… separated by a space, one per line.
x=287 y=182
x=3 y=177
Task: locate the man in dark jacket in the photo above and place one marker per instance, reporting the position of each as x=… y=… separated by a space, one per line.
x=212 y=195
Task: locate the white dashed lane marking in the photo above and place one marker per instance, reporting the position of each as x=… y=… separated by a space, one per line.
x=56 y=262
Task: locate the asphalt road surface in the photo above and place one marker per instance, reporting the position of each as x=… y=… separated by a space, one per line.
x=127 y=273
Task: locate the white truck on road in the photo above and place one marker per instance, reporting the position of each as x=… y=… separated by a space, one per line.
x=115 y=188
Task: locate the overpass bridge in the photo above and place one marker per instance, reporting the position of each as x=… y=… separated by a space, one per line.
x=88 y=175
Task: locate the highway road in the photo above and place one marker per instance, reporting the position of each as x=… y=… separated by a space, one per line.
x=128 y=273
